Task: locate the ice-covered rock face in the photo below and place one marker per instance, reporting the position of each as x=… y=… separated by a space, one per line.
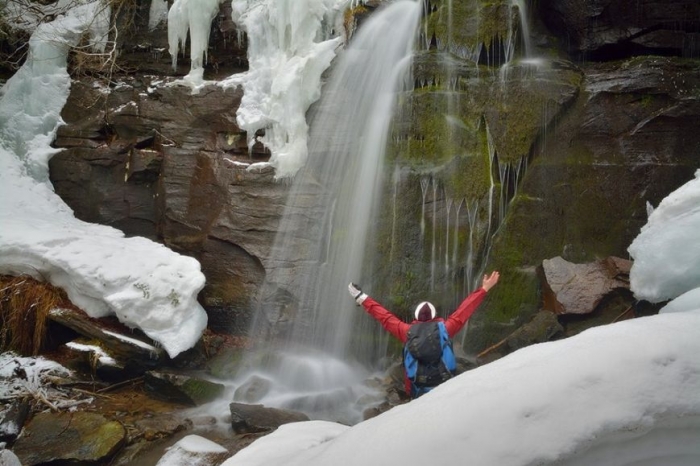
x=289 y=47
x=667 y=251
x=143 y=283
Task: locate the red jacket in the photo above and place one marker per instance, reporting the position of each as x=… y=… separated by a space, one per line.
x=454 y=323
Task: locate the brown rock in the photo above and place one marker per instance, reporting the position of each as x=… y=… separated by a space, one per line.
x=247 y=418
x=570 y=288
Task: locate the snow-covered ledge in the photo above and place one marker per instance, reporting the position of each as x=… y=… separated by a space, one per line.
x=143 y=283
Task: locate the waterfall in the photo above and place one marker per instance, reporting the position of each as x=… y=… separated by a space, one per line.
x=525 y=26
x=318 y=344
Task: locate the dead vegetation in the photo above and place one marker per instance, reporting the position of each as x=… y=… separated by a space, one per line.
x=24 y=307
x=83 y=59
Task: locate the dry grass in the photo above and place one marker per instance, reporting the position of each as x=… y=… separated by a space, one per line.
x=24 y=307
x=350 y=19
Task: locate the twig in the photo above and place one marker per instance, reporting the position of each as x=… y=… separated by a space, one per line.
x=120 y=384
x=87 y=392
x=492 y=347
x=40 y=396
x=620 y=316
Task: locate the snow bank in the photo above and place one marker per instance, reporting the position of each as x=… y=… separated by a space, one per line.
x=685 y=302
x=623 y=394
x=143 y=283
x=667 y=251
x=287 y=440
x=33 y=370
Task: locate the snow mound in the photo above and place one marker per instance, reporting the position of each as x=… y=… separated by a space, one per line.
x=623 y=394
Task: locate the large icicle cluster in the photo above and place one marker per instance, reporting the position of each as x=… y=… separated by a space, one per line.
x=195 y=17
x=287 y=54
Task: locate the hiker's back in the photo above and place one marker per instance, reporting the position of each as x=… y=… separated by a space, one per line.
x=428 y=356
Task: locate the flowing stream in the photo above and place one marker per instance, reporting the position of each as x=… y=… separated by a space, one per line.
x=319 y=346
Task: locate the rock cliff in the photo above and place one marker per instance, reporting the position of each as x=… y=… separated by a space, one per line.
x=508 y=155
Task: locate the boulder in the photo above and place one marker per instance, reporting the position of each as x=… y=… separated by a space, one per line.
x=12 y=418
x=161 y=426
x=80 y=438
x=182 y=389
x=99 y=361
x=253 y=389
x=152 y=159
x=570 y=288
x=247 y=418
x=543 y=327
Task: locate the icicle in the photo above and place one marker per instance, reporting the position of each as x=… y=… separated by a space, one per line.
x=448 y=205
x=434 y=239
x=424 y=182
x=456 y=235
x=396 y=180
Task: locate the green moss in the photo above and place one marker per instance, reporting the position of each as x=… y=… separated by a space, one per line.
x=469 y=24
x=202 y=391
x=646 y=101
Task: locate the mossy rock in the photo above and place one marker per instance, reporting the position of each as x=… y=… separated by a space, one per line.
x=69 y=438
x=182 y=389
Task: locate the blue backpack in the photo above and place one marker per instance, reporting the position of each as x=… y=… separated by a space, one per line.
x=428 y=357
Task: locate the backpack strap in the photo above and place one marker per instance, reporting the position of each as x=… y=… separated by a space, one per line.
x=448 y=355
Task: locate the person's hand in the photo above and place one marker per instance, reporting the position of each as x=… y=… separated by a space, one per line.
x=490 y=281
x=356 y=293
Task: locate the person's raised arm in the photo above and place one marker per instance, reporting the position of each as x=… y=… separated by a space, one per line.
x=456 y=321
x=389 y=321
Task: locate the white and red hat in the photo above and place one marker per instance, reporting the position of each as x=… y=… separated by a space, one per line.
x=425 y=311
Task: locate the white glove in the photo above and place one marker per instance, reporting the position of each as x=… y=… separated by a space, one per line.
x=356 y=293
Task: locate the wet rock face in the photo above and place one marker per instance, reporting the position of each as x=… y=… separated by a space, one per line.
x=155 y=160
x=604 y=30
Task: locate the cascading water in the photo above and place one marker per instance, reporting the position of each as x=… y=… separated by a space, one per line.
x=318 y=344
